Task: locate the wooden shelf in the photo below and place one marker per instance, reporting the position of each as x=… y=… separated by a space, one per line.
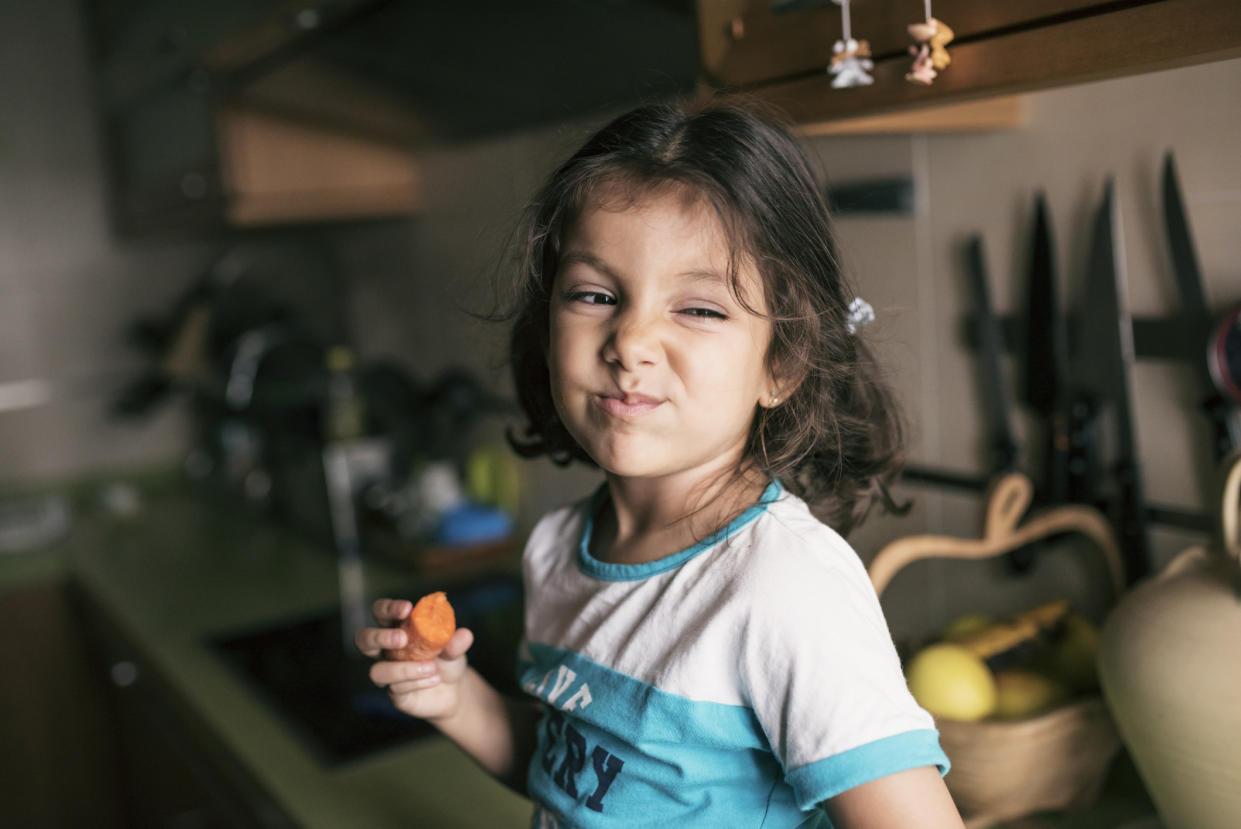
x=1002 y=113
x=1000 y=50
x=743 y=42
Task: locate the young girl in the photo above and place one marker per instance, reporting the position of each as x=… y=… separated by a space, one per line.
x=699 y=648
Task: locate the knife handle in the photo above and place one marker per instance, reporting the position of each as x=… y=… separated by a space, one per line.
x=1056 y=482
x=1131 y=522
x=1224 y=437
x=1082 y=459
x=1058 y=448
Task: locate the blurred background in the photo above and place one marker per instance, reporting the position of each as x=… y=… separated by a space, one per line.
x=246 y=383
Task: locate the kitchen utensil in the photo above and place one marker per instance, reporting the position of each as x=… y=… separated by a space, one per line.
x=995 y=391
x=1170 y=671
x=1003 y=448
x=1105 y=364
x=1225 y=431
x=1225 y=362
x=1046 y=358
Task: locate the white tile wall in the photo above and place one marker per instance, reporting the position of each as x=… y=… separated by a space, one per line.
x=67 y=289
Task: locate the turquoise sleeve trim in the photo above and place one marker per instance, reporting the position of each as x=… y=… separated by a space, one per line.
x=829 y=777
x=607 y=571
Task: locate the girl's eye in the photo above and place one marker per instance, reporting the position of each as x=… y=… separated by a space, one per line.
x=590 y=297
x=705 y=313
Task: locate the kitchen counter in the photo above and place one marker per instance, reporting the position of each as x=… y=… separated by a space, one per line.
x=186 y=571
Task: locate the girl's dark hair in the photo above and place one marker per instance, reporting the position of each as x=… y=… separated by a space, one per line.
x=837 y=439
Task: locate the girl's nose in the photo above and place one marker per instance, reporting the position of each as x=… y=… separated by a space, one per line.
x=634 y=341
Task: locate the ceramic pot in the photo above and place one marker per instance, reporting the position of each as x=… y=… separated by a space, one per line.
x=1170 y=667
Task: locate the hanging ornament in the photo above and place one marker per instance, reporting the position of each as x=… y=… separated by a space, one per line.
x=851 y=61
x=930 y=56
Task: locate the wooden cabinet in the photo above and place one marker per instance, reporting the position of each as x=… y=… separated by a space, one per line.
x=999 y=48
x=277 y=169
x=58 y=766
x=168 y=768
x=213 y=118
x=91 y=739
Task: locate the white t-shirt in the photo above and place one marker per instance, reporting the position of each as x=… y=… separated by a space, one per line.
x=737 y=683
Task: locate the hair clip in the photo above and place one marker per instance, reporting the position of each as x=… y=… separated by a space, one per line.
x=860 y=315
x=851 y=61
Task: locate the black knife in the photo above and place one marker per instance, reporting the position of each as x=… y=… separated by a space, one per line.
x=1002 y=447
x=1196 y=311
x=1046 y=358
x=1083 y=457
x=1106 y=360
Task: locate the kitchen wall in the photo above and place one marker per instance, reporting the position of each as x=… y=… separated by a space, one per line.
x=908 y=267
x=67 y=288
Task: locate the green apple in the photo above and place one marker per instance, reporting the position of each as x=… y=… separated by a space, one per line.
x=1022 y=693
x=950 y=681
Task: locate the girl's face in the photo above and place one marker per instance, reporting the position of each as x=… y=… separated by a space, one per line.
x=656 y=368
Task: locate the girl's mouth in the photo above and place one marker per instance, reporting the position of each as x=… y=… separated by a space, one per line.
x=628 y=405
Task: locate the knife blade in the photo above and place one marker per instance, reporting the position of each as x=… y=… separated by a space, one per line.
x=1107 y=337
x=1196 y=310
x=1002 y=446
x=1046 y=357
x=1184 y=259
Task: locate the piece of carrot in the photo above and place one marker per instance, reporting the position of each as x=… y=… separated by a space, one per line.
x=428 y=628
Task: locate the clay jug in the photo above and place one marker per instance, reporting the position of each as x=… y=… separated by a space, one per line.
x=1170 y=667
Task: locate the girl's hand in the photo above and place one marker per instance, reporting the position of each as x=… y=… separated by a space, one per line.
x=428 y=689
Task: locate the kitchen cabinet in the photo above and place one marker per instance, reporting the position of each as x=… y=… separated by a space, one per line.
x=171 y=773
x=999 y=50
x=200 y=736
x=211 y=119
x=276 y=169
x=55 y=726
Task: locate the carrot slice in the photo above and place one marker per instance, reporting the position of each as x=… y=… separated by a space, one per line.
x=427 y=629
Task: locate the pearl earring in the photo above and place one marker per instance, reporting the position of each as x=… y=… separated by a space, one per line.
x=774 y=399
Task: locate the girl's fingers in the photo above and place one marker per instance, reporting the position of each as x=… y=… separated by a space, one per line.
x=372 y=641
x=390 y=611
x=411 y=685
x=364 y=639
x=393 y=673
x=460 y=642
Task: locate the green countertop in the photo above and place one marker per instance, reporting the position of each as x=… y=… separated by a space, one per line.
x=185 y=570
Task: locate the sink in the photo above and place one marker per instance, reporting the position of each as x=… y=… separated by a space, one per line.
x=320 y=688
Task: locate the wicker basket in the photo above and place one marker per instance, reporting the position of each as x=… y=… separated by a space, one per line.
x=1058 y=760
x=1005 y=770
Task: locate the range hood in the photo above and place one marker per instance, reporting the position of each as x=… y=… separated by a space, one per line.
x=464 y=70
x=263 y=112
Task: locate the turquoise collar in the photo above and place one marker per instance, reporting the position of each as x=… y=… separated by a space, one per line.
x=607 y=571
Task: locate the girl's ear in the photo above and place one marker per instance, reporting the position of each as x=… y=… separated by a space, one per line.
x=780 y=386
